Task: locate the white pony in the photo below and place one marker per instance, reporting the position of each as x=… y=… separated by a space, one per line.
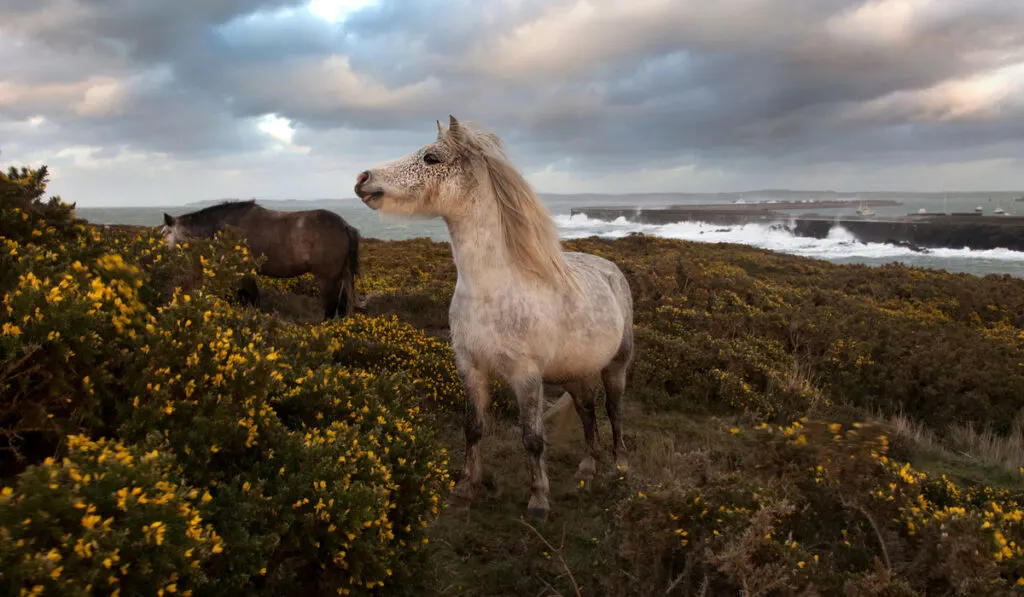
x=523 y=310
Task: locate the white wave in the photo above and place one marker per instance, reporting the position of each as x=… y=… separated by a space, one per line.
x=840 y=243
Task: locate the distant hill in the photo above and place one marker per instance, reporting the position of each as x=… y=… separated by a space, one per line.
x=652 y=199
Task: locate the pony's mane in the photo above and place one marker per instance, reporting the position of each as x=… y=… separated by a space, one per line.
x=221 y=209
x=530 y=236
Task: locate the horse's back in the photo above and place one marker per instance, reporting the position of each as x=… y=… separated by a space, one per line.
x=312 y=219
x=296 y=242
x=590 y=269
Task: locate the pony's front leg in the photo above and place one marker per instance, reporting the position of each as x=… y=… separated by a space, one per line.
x=475 y=382
x=529 y=395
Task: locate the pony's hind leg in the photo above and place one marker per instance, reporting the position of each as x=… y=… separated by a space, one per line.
x=613 y=377
x=475 y=382
x=330 y=295
x=584 y=399
x=248 y=292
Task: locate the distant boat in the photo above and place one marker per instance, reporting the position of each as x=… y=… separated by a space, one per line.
x=864 y=211
x=979 y=209
x=1000 y=212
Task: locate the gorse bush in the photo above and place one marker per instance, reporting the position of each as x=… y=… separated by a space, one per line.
x=256 y=457
x=64 y=337
x=330 y=453
x=819 y=509
x=106 y=518
x=386 y=344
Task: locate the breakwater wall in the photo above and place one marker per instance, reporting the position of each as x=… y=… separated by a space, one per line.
x=925 y=231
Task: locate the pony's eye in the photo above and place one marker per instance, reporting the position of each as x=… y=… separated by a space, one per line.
x=430 y=159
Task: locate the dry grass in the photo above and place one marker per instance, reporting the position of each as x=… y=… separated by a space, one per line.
x=985 y=446
x=963 y=451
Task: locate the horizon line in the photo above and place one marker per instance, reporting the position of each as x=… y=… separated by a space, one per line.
x=583 y=193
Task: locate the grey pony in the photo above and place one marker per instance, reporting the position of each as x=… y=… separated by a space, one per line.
x=522 y=310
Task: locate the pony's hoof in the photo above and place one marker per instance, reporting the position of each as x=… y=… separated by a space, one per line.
x=621 y=465
x=461 y=495
x=538 y=507
x=586 y=470
x=537 y=514
x=489 y=481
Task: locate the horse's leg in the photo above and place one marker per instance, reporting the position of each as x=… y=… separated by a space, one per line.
x=529 y=390
x=330 y=290
x=249 y=292
x=475 y=383
x=343 y=302
x=614 y=378
x=584 y=399
x=349 y=292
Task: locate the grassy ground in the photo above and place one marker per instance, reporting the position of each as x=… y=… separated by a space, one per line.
x=491 y=550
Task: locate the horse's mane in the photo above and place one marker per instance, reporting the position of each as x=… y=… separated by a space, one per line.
x=530 y=236
x=221 y=209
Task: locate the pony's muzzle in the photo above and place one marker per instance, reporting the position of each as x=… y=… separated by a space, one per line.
x=370 y=197
x=361 y=179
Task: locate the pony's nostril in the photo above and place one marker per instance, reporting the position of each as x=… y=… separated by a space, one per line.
x=363 y=177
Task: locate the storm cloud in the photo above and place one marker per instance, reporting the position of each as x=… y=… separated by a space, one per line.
x=181 y=101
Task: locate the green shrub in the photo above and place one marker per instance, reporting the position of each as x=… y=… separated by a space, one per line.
x=816 y=507
x=106 y=518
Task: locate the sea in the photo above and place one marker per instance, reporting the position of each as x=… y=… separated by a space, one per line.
x=839 y=247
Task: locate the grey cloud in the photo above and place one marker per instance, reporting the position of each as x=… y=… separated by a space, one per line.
x=143 y=29
x=726 y=83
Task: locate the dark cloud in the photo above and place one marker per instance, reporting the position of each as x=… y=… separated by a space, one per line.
x=741 y=85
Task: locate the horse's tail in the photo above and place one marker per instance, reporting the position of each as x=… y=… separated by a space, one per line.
x=560 y=416
x=353 y=251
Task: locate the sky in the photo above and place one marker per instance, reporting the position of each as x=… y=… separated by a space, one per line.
x=163 y=102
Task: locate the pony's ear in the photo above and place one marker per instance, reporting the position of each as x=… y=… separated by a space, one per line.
x=440 y=130
x=168 y=219
x=453 y=127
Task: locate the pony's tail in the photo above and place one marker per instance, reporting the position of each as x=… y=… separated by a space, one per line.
x=560 y=416
x=353 y=251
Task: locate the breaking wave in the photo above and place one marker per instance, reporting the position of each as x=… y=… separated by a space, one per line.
x=840 y=245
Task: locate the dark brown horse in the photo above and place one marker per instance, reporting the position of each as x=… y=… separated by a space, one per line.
x=293 y=243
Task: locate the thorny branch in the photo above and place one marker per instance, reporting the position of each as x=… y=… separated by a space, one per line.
x=874 y=525
x=557 y=553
